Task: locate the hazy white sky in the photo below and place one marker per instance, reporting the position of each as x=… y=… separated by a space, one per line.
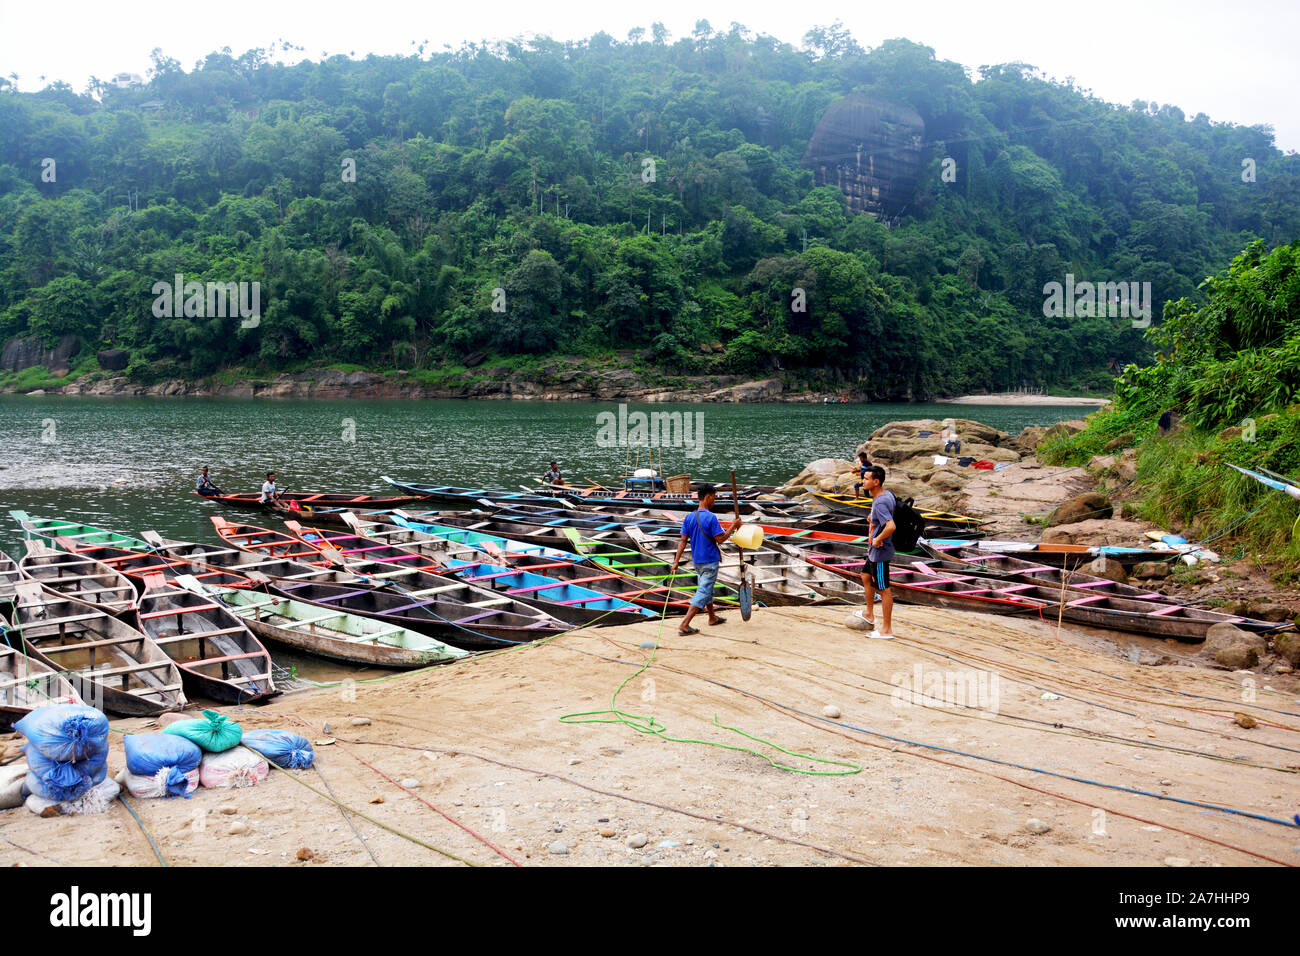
x=1236 y=62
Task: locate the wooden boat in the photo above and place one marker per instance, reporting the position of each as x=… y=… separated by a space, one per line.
x=513 y=528
x=473 y=536
x=26 y=683
x=566 y=600
x=315 y=499
x=913 y=587
x=137 y=565
x=568 y=567
x=9 y=576
x=1068 y=556
x=453 y=616
x=78 y=576
x=681 y=584
x=218 y=656
x=1078 y=605
x=110 y=664
x=1016 y=569
x=621 y=500
x=333 y=633
x=853 y=505
x=780 y=579
x=214 y=557
x=80 y=534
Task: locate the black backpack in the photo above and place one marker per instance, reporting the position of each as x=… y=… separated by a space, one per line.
x=909 y=525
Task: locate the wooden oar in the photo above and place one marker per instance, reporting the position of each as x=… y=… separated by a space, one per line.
x=745 y=589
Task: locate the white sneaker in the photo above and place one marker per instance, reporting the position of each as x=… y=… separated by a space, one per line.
x=880 y=636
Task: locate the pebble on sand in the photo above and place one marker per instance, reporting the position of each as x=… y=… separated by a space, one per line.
x=1177 y=861
x=305 y=854
x=637 y=840
x=647 y=645
x=607 y=832
x=238 y=827
x=831 y=711
x=410 y=783
x=229 y=809
x=559 y=849
x=1034 y=825
x=360 y=721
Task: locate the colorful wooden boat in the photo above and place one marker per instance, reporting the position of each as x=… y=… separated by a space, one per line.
x=218 y=656
x=681 y=584
x=1016 y=569
x=566 y=600
x=573 y=568
x=779 y=578
x=9 y=576
x=110 y=664
x=26 y=683
x=1077 y=605
x=333 y=633
x=214 y=557
x=852 y=505
x=1068 y=556
x=81 y=534
x=78 y=576
x=316 y=499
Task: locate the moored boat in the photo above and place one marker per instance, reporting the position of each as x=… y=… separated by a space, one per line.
x=78 y=576
x=218 y=656
x=26 y=683
x=109 y=663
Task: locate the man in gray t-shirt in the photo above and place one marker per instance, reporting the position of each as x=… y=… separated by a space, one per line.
x=875 y=576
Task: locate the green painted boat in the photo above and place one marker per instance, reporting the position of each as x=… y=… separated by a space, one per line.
x=51 y=528
x=331 y=633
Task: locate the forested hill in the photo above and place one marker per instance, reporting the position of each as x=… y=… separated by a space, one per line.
x=648 y=194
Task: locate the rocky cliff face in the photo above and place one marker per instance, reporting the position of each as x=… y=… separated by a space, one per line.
x=24 y=353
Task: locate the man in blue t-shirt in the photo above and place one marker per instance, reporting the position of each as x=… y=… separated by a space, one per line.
x=875 y=577
x=864 y=465
x=704 y=533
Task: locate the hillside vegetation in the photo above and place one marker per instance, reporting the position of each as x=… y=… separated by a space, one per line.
x=522 y=167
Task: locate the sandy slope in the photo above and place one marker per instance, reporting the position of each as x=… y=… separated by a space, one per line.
x=486 y=742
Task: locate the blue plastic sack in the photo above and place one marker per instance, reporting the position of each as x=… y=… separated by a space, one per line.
x=282 y=747
x=64 y=732
x=146 y=754
x=61 y=780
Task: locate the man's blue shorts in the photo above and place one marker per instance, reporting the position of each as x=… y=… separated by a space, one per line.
x=708 y=575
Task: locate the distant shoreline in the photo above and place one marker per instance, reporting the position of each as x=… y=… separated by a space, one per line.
x=1020 y=398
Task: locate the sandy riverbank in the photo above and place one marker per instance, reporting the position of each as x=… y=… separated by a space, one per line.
x=1020 y=398
x=486 y=741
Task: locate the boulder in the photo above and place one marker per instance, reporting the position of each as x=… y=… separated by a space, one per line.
x=1268 y=611
x=28 y=352
x=942 y=481
x=1080 y=508
x=1151 y=569
x=1122 y=441
x=1028 y=438
x=1287 y=646
x=1238 y=657
x=1107 y=568
x=1233 y=648
x=1063 y=430
x=761 y=391
x=114 y=360
x=1056 y=536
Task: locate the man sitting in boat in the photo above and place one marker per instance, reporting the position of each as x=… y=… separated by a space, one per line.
x=269 y=491
x=702 y=529
x=864 y=465
x=875 y=576
x=552 y=477
x=204 y=485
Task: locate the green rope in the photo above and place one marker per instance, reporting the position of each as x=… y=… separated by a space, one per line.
x=651 y=725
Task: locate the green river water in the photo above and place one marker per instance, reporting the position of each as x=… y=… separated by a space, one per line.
x=130 y=463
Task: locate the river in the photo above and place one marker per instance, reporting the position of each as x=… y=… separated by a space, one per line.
x=129 y=463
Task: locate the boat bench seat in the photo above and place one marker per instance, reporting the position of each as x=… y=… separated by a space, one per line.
x=196 y=635
x=174 y=612
x=70 y=619
x=316 y=619
x=110 y=642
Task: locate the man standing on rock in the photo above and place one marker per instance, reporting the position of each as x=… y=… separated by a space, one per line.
x=875 y=577
x=702 y=529
x=864 y=465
